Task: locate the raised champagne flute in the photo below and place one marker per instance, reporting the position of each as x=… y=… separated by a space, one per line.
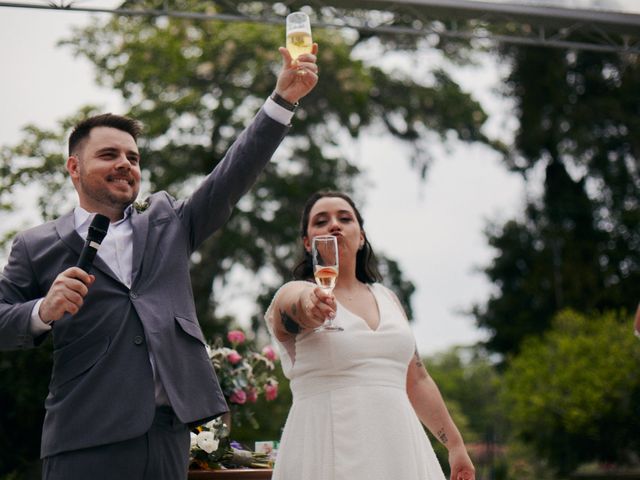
x=298 y=34
x=324 y=252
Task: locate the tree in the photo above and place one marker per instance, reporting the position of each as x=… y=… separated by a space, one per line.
x=577 y=245
x=573 y=393
x=195 y=85
x=545 y=262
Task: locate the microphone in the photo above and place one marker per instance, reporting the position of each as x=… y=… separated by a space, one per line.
x=97 y=231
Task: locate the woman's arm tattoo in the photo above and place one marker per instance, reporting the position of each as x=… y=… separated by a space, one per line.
x=418 y=360
x=442 y=436
x=289 y=324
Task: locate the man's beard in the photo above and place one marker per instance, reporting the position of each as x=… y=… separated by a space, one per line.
x=105 y=197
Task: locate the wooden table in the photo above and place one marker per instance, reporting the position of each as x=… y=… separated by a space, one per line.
x=240 y=474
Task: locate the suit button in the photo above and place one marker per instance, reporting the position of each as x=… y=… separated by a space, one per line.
x=133 y=295
x=138 y=340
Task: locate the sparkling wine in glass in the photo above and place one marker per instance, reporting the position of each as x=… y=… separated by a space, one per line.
x=298 y=34
x=324 y=251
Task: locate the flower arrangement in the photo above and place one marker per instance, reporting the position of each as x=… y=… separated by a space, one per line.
x=244 y=374
x=211 y=448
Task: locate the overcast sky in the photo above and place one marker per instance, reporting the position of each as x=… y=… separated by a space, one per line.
x=433 y=228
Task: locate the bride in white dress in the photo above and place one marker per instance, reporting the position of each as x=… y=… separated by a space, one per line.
x=359 y=395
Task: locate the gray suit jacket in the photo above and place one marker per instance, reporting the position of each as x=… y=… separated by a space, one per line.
x=101 y=388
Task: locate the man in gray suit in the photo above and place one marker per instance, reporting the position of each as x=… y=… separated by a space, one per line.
x=130 y=371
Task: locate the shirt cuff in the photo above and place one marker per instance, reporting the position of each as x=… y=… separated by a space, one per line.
x=277 y=113
x=38 y=327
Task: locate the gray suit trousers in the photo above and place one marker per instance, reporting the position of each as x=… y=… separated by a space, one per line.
x=160 y=454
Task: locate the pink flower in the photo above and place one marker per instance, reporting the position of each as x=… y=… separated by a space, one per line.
x=252 y=395
x=236 y=337
x=269 y=353
x=234 y=357
x=271 y=390
x=238 y=396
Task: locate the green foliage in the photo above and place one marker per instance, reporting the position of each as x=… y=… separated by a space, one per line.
x=573 y=393
x=470 y=384
x=547 y=261
x=469 y=378
x=24 y=377
x=523 y=463
x=578 y=245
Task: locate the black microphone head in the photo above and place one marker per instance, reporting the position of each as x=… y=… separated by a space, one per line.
x=98 y=228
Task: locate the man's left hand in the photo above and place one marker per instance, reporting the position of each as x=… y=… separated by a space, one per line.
x=297 y=77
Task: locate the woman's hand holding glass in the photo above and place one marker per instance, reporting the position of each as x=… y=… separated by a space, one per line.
x=318 y=305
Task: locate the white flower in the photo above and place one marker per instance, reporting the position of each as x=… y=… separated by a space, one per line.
x=210 y=425
x=141 y=206
x=194 y=441
x=207 y=441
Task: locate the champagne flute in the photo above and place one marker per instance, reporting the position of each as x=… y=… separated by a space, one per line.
x=298 y=34
x=324 y=252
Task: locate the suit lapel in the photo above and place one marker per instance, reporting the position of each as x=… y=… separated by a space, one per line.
x=140 y=225
x=65 y=227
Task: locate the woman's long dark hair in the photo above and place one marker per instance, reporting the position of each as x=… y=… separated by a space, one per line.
x=366 y=261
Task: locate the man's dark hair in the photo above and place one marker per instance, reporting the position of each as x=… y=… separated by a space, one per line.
x=83 y=129
x=366 y=261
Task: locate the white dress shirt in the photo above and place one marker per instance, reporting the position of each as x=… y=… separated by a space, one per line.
x=116 y=248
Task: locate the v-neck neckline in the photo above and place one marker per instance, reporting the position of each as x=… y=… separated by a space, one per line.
x=375 y=299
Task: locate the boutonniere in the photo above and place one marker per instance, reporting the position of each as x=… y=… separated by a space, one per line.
x=141 y=206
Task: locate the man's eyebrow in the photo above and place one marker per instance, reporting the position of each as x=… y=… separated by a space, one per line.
x=113 y=149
